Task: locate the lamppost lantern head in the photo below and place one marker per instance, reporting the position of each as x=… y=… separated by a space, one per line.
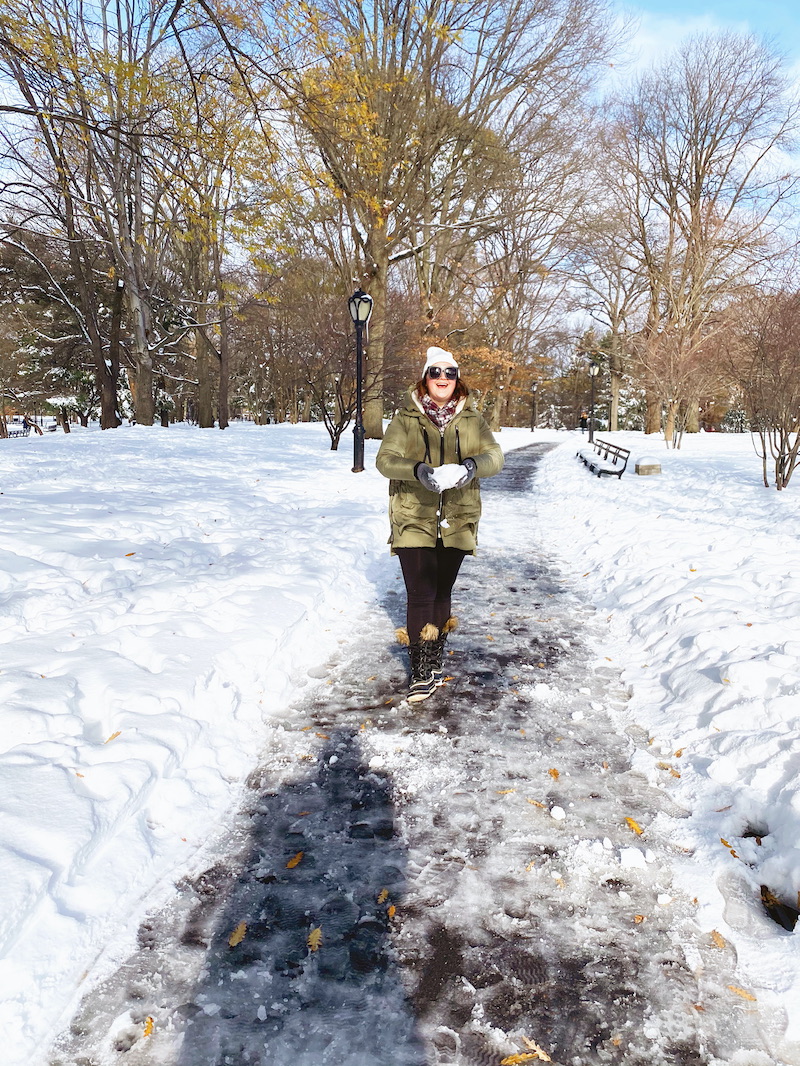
x=594 y=369
x=360 y=306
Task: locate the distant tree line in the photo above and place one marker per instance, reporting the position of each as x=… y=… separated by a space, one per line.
x=190 y=191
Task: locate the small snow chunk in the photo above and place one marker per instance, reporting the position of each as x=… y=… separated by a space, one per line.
x=649 y=855
x=607 y=844
x=623 y=895
x=376 y=762
x=211 y=1009
x=652 y=1033
x=585 y=691
x=664 y=899
x=333 y=759
x=558 y=813
x=596 y=706
x=448 y=475
x=262 y=1013
x=632 y=857
x=577 y=716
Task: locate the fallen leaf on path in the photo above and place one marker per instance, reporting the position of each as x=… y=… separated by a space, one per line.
x=113 y=736
x=741 y=992
x=149 y=1026
x=315 y=939
x=536 y=1049
x=634 y=826
x=295 y=860
x=238 y=935
x=383 y=895
x=718 y=939
x=554 y=774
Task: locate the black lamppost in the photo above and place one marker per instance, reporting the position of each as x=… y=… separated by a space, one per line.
x=534 y=405
x=360 y=305
x=594 y=370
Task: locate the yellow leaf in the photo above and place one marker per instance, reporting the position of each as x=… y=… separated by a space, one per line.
x=306 y=728
x=638 y=918
x=541 y=665
x=513 y=1060
x=678 y=753
x=113 y=736
x=554 y=774
x=149 y=1026
x=504 y=791
x=294 y=861
x=322 y=736
x=238 y=935
x=315 y=939
x=129 y=554
x=384 y=895
x=535 y=1047
x=78 y=774
x=536 y=803
x=373 y=678
x=489 y=636
x=634 y=826
x=391 y=911
x=741 y=992
x=718 y=938
x=725 y=842
x=698 y=598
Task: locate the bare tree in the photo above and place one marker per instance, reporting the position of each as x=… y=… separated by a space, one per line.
x=698 y=148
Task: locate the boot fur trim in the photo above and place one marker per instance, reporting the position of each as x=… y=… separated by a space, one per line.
x=450 y=624
x=402 y=637
x=429 y=632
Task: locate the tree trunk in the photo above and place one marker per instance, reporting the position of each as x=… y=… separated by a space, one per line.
x=205 y=403
x=376 y=345
x=652 y=417
x=144 y=404
x=223 y=401
x=615 y=383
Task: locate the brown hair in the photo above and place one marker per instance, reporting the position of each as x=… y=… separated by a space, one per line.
x=461 y=390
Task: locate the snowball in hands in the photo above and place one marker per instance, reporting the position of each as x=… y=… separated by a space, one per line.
x=448 y=476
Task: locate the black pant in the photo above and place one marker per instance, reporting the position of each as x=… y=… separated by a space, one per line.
x=429 y=574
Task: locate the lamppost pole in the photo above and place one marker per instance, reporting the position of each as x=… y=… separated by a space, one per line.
x=534 y=405
x=360 y=306
x=594 y=370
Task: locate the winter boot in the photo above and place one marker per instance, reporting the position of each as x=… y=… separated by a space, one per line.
x=423 y=657
x=441 y=640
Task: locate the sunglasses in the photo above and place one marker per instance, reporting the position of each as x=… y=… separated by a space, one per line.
x=450 y=372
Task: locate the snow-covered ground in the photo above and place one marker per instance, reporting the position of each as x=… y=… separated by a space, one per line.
x=698 y=572
x=164 y=593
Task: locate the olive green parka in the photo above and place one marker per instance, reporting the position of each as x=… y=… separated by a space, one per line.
x=418 y=517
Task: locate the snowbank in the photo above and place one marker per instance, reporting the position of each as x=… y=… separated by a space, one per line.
x=698 y=572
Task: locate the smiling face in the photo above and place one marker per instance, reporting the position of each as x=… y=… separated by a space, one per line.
x=442 y=388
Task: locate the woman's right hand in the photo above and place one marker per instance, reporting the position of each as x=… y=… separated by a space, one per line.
x=424 y=475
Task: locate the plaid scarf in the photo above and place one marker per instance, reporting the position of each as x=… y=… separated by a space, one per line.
x=440 y=416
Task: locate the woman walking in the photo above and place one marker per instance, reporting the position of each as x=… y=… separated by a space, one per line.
x=434 y=451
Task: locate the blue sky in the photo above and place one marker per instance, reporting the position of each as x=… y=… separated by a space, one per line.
x=663 y=22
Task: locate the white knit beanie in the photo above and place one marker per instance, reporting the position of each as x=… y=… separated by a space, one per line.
x=438 y=355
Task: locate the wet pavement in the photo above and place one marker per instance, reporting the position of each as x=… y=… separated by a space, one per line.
x=475 y=879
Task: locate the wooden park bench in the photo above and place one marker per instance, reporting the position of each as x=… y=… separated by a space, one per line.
x=604 y=458
x=18 y=431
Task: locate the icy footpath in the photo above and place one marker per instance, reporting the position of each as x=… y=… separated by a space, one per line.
x=157 y=589
x=697 y=574
x=480 y=879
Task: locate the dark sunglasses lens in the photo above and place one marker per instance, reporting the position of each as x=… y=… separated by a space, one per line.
x=450 y=372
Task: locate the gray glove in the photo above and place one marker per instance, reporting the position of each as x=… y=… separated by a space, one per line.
x=424 y=475
x=470 y=468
